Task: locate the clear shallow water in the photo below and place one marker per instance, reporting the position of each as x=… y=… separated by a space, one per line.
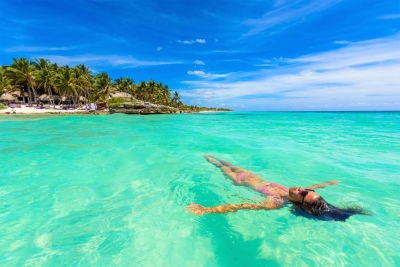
x=112 y=190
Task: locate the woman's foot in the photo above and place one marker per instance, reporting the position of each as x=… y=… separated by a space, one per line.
x=210 y=158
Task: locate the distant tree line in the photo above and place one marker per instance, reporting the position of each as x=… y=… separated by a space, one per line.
x=40 y=76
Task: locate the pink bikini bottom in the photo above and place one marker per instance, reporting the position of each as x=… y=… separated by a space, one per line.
x=242 y=176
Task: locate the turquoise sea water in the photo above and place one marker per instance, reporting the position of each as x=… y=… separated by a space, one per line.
x=111 y=190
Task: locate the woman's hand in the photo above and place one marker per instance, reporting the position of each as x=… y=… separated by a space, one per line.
x=322 y=185
x=196 y=209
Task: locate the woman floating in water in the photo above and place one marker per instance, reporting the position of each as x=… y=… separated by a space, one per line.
x=305 y=200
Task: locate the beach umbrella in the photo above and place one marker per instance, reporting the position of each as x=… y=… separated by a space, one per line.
x=66 y=99
x=44 y=97
x=7 y=97
x=16 y=93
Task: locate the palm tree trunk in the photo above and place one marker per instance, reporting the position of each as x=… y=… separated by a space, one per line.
x=51 y=97
x=85 y=96
x=34 y=94
x=30 y=97
x=73 y=100
x=21 y=93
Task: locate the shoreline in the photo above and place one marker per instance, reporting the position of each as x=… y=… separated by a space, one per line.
x=51 y=111
x=56 y=111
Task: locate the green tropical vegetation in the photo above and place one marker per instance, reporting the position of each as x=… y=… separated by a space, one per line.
x=81 y=86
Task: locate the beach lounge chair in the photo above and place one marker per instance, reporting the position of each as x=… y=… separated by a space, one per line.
x=11 y=105
x=27 y=105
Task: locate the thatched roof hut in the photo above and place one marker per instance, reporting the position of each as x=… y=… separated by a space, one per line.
x=44 y=98
x=66 y=98
x=122 y=95
x=7 y=97
x=17 y=93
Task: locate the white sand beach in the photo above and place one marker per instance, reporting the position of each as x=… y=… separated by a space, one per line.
x=33 y=110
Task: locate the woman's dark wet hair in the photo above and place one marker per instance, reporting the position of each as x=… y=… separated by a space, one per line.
x=321 y=209
x=317 y=207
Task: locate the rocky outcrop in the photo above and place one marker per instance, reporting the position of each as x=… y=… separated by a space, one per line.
x=144 y=109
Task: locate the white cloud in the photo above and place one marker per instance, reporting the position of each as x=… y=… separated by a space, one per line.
x=186 y=42
x=363 y=75
x=225 y=51
x=198 y=62
x=287 y=11
x=341 y=42
x=23 y=48
x=203 y=92
x=159 y=48
x=200 y=41
x=105 y=60
x=361 y=53
x=203 y=74
x=196 y=72
x=391 y=16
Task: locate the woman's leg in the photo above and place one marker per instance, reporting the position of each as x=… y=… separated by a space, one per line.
x=212 y=160
x=230 y=170
x=238 y=175
x=220 y=163
x=225 y=163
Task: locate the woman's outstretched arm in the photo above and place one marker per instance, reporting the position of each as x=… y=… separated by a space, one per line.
x=322 y=185
x=200 y=210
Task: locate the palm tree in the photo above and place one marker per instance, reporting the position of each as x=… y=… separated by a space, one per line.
x=44 y=75
x=83 y=80
x=151 y=90
x=177 y=99
x=65 y=82
x=103 y=86
x=132 y=89
x=126 y=85
x=141 y=92
x=166 y=94
x=5 y=82
x=21 y=72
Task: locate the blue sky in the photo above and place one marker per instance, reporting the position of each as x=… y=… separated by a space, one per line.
x=245 y=55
